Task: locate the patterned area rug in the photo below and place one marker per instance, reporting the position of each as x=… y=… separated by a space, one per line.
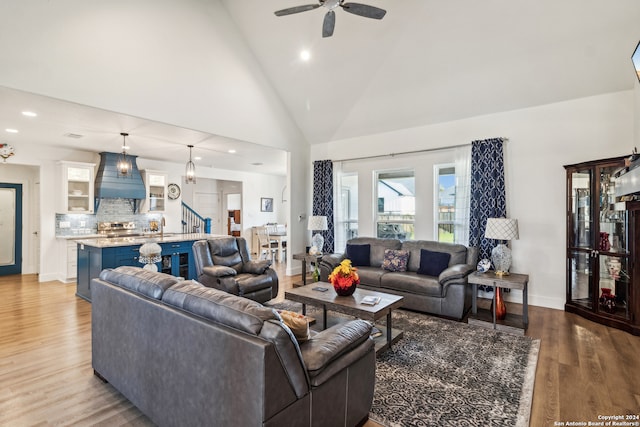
x=445 y=373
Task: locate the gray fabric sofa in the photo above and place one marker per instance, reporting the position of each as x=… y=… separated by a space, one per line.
x=445 y=295
x=225 y=263
x=189 y=355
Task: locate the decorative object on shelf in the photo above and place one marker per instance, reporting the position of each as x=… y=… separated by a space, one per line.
x=266 y=204
x=607 y=299
x=124 y=163
x=614 y=266
x=190 y=170
x=344 y=278
x=316 y=273
x=173 y=191
x=149 y=255
x=317 y=223
x=6 y=151
x=501 y=308
x=484 y=265
x=605 y=245
x=501 y=229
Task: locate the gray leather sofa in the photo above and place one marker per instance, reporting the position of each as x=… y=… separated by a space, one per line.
x=188 y=355
x=445 y=295
x=225 y=263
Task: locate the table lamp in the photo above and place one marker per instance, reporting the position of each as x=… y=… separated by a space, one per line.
x=317 y=223
x=501 y=229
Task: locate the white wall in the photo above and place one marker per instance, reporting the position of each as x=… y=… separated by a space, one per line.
x=541 y=141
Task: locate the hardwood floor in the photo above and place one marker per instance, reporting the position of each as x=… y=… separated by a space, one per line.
x=584 y=369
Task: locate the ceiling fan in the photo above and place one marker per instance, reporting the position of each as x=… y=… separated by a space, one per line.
x=330 y=17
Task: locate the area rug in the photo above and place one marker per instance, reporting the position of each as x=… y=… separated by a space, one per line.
x=446 y=373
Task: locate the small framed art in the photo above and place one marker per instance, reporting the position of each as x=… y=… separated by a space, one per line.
x=266 y=204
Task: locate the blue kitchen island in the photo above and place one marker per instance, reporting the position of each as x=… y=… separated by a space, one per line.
x=96 y=254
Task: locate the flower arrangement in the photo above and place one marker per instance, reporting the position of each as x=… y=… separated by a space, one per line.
x=344 y=278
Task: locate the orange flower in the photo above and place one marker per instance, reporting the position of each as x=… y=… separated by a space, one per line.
x=344 y=275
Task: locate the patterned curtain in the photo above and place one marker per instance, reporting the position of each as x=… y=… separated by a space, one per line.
x=323 y=199
x=487 y=191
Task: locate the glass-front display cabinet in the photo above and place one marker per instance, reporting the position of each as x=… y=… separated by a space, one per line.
x=156 y=183
x=600 y=246
x=77 y=187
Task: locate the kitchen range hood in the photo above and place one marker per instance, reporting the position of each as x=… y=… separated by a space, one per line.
x=110 y=184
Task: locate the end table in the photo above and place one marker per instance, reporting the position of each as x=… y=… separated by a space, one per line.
x=511 y=281
x=305 y=258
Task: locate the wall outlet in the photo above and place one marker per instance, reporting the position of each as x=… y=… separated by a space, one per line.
x=65 y=224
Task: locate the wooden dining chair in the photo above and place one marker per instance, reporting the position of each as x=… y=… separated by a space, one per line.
x=268 y=247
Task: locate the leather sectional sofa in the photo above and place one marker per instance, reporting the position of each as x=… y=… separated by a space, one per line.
x=444 y=293
x=189 y=355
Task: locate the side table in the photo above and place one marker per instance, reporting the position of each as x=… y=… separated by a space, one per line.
x=305 y=258
x=511 y=281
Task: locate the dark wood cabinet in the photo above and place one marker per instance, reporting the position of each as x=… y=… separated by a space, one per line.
x=602 y=246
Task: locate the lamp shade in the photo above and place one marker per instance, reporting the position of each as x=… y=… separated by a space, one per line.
x=317 y=223
x=501 y=229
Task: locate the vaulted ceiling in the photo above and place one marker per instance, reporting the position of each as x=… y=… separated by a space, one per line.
x=431 y=61
x=229 y=71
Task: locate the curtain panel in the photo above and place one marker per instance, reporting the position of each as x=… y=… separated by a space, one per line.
x=323 y=199
x=488 y=198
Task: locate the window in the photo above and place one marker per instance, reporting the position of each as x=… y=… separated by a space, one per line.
x=396 y=207
x=445 y=203
x=346 y=212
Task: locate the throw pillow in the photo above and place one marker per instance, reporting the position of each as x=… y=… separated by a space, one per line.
x=433 y=263
x=395 y=260
x=298 y=324
x=359 y=255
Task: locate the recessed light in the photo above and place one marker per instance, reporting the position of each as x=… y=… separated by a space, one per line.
x=29 y=114
x=305 y=55
x=257 y=164
x=12 y=130
x=197 y=158
x=232 y=151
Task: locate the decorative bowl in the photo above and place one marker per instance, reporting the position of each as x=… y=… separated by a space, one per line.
x=484 y=265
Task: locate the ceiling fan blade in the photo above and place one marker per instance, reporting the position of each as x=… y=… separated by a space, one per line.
x=364 y=10
x=296 y=9
x=329 y=24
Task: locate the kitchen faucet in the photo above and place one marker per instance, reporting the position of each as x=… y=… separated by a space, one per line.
x=162 y=225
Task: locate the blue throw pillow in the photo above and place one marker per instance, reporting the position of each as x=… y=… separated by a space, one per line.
x=433 y=263
x=359 y=255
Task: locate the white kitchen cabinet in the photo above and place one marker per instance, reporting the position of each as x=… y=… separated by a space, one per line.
x=155 y=183
x=77 y=187
x=72 y=259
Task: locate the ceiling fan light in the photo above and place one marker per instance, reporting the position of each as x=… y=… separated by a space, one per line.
x=190 y=169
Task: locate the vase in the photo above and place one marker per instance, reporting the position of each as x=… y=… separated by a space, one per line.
x=501 y=308
x=605 y=244
x=345 y=292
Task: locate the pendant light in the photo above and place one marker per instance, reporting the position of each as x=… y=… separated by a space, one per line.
x=190 y=171
x=124 y=163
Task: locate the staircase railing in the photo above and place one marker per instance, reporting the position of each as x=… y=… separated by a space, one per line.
x=192 y=222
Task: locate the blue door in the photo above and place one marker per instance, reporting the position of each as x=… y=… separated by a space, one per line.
x=10 y=229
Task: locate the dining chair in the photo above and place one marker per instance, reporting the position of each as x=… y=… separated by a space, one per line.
x=268 y=247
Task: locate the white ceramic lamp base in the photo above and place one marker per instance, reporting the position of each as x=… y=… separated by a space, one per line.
x=501 y=259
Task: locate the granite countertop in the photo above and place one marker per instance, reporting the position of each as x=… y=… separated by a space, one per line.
x=102 y=242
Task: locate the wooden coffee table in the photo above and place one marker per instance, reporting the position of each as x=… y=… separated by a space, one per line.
x=351 y=306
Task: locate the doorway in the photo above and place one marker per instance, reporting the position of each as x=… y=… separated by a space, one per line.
x=10 y=229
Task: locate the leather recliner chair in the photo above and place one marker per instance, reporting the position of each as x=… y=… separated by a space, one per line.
x=224 y=263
